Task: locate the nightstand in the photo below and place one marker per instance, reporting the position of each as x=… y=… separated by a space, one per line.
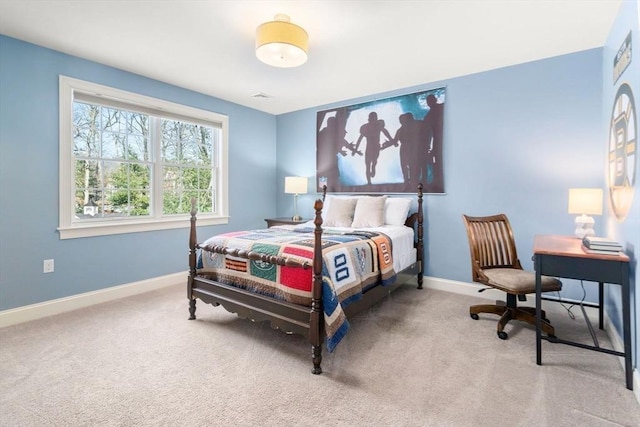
x=283 y=221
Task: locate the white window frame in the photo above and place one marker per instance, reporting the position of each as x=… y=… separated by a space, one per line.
x=70 y=229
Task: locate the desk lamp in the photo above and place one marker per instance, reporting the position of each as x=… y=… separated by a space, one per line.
x=584 y=202
x=295 y=185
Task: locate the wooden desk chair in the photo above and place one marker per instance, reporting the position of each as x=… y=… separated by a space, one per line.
x=495 y=263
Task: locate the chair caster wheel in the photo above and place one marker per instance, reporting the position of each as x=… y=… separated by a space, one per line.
x=474 y=316
x=503 y=335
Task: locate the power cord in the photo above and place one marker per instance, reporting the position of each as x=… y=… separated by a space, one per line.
x=570 y=307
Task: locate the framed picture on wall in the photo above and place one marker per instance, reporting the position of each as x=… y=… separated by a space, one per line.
x=388 y=145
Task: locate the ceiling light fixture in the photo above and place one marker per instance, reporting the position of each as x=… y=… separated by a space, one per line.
x=281 y=44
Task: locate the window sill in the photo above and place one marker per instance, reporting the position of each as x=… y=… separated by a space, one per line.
x=107 y=229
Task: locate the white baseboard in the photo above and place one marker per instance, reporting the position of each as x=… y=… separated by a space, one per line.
x=74 y=302
x=472 y=290
x=454 y=286
x=62 y=305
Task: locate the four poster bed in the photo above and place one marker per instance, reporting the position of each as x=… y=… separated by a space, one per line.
x=308 y=279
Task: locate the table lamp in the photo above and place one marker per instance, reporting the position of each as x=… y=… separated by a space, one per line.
x=584 y=202
x=295 y=185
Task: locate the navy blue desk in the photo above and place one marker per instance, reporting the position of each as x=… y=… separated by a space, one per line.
x=562 y=256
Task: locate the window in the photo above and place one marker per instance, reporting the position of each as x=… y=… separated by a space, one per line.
x=132 y=163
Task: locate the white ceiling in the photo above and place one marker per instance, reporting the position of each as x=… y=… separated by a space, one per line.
x=356 y=47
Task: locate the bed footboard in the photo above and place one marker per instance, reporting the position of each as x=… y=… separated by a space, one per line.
x=308 y=321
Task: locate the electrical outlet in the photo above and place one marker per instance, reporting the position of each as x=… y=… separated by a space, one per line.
x=47 y=266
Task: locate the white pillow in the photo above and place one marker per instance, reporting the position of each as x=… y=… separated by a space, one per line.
x=369 y=212
x=396 y=210
x=329 y=197
x=340 y=212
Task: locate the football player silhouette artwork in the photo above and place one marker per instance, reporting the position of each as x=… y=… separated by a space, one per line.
x=382 y=146
x=372 y=131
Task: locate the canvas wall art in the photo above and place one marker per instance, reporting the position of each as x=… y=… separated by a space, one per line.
x=383 y=146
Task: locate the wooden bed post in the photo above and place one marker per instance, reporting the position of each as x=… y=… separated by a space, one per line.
x=316 y=327
x=193 y=241
x=419 y=248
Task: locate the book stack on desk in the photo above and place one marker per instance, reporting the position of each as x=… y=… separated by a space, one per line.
x=600 y=245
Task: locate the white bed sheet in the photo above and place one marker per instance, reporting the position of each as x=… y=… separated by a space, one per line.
x=402 y=237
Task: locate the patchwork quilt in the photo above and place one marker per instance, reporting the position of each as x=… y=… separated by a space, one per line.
x=352 y=263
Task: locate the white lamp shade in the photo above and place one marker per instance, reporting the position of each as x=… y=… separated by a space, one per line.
x=280 y=43
x=587 y=201
x=295 y=185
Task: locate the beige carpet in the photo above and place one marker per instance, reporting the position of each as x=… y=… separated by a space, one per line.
x=417 y=359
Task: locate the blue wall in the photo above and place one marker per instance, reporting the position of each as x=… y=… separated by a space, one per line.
x=627 y=230
x=515 y=140
x=29 y=182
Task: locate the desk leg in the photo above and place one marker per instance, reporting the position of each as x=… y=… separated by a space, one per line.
x=626 y=324
x=600 y=304
x=538 y=311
